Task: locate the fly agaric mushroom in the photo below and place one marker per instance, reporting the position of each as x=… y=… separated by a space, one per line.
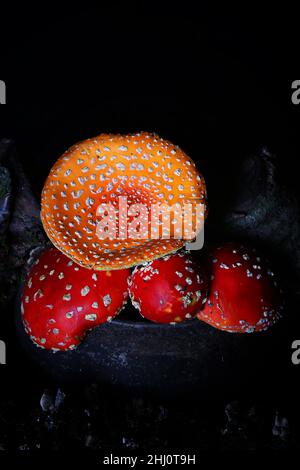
x=61 y=301
x=168 y=290
x=244 y=296
x=144 y=170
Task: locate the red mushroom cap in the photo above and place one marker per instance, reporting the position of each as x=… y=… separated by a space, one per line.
x=61 y=301
x=243 y=295
x=168 y=290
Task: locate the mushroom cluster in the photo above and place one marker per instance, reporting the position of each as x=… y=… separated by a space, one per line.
x=84 y=280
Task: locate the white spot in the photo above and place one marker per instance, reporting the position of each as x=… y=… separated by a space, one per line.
x=107 y=300
x=85 y=291
x=189 y=269
x=224 y=266
x=38 y=293
x=77 y=194
x=178 y=287
x=91 y=317
x=121 y=166
x=89 y=202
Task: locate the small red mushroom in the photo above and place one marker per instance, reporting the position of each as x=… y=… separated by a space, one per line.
x=61 y=301
x=168 y=290
x=244 y=296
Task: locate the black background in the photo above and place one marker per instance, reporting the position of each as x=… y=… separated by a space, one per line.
x=216 y=83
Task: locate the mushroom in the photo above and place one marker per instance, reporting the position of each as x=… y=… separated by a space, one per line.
x=244 y=295
x=168 y=290
x=144 y=170
x=61 y=301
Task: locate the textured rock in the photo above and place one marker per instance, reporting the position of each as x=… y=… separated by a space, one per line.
x=262 y=208
x=20 y=227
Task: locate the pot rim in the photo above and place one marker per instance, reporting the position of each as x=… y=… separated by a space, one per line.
x=142 y=324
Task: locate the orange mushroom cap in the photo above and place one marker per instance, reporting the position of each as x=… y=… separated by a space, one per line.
x=143 y=168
